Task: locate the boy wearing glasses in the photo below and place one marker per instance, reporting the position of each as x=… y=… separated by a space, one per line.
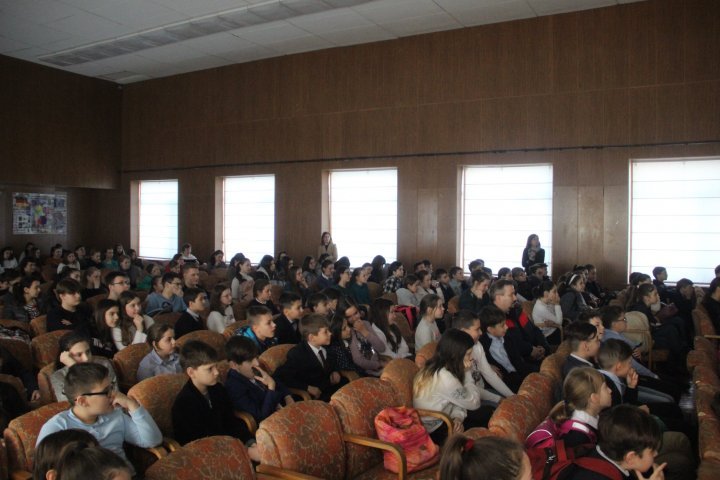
x=170 y=300
x=117 y=283
x=98 y=408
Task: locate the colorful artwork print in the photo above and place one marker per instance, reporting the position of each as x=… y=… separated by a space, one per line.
x=39 y=213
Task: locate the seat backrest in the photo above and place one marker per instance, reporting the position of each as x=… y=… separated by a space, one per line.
x=454 y=305
x=239 y=310
x=425 y=353
x=516 y=417
x=637 y=328
x=20 y=350
x=38 y=325
x=392 y=296
x=157 y=394
x=305 y=437
x=126 y=362
x=209 y=458
x=22 y=433
x=47 y=392
x=46 y=348
x=552 y=367
x=17 y=384
x=400 y=373
x=215 y=340
x=374 y=289
x=357 y=404
x=527 y=307
x=170 y=318
x=231 y=329
x=274 y=357
x=702 y=322
x=541 y=390
x=95 y=299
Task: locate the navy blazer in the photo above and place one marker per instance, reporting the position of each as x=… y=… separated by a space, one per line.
x=303 y=368
x=253 y=398
x=284 y=331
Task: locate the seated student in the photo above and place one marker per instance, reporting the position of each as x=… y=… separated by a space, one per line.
x=55 y=257
x=287 y=329
x=457 y=280
x=107 y=318
x=131 y=272
x=476 y=297
x=260 y=328
x=547 y=313
x=109 y=260
x=187 y=254
x=446 y=384
x=498 y=458
x=94 y=259
x=70 y=314
x=685 y=299
x=358 y=289
x=333 y=297
x=327 y=273
x=190 y=321
x=309 y=267
x=339 y=348
x=318 y=303
x=342 y=278
x=117 y=283
x=571 y=298
x=503 y=351
x=296 y=283
x=23 y=306
x=51 y=450
x=190 y=276
x=469 y=323
x=133 y=324
x=221 y=311
x=93 y=398
x=396 y=272
x=252 y=389
x=242 y=282
x=427 y=286
x=427 y=330
x=92 y=462
x=92 y=283
x=711 y=302
x=308 y=365
x=443 y=282
x=262 y=296
x=203 y=407
x=660 y=274
x=524 y=288
x=365 y=345
x=74 y=348
x=266 y=269
x=170 y=300
x=406 y=294
x=162 y=359
x=69 y=260
x=584 y=345
x=651 y=387
x=383 y=324
x=9 y=365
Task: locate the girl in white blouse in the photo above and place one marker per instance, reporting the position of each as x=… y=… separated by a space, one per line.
x=383 y=324
x=547 y=313
x=221 y=312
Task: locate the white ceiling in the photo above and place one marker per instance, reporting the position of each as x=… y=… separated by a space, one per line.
x=33 y=30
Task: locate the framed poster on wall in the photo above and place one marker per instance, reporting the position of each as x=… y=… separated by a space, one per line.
x=39 y=213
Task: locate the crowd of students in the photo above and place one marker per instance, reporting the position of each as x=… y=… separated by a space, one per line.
x=484 y=351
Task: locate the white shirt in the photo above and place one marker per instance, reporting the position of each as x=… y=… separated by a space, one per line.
x=482 y=365
x=446 y=394
x=217 y=322
x=403 y=349
x=584 y=417
x=425 y=333
x=543 y=312
x=317 y=351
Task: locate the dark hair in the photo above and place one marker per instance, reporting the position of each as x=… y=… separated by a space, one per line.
x=240 y=349
x=336 y=327
x=195 y=354
x=714 y=285
x=266 y=262
x=90 y=462
x=393 y=267
x=343 y=261
x=156 y=332
x=377 y=266
x=255 y=312
x=454 y=270
x=355 y=274
x=110 y=277
x=315 y=299
x=421 y=275
x=682 y=283
x=612 y=352
x=332 y=294
x=428 y=301
x=325 y=264
x=439 y=273
x=68 y=286
x=464 y=319
x=498 y=287
x=66 y=342
x=503 y=271
x=644 y=290
x=530 y=238
x=103 y=330
x=52 y=449
x=291 y=274
x=169 y=277
x=259 y=286
x=82 y=377
x=545 y=286
x=214 y=254
x=311 y=325
x=127 y=325
x=624 y=429
x=381 y=308
x=191 y=294
x=658 y=270
x=578 y=332
x=288 y=298
x=26 y=282
x=450 y=355
x=610 y=314
x=637 y=277
x=306 y=263
x=322 y=235
x=215 y=305
x=410 y=280
x=587 y=315
x=487 y=457
x=490 y=316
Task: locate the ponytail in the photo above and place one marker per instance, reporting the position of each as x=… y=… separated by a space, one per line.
x=488 y=457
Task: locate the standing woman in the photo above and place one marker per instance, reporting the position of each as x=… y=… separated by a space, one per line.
x=533 y=253
x=327 y=246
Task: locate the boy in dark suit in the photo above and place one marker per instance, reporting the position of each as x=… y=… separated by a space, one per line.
x=286 y=325
x=189 y=321
x=308 y=366
x=501 y=350
x=584 y=344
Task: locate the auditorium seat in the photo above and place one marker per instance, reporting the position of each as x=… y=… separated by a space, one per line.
x=126 y=362
x=215 y=340
x=46 y=348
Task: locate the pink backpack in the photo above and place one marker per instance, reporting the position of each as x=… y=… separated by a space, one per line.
x=545 y=435
x=402 y=426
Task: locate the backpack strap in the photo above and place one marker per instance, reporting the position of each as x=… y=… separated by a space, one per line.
x=602 y=467
x=569 y=425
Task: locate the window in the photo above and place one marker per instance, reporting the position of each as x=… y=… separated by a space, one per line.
x=363 y=214
x=675 y=217
x=249 y=216
x=501 y=207
x=158 y=218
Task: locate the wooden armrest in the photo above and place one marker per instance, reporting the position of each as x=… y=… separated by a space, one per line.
x=382 y=445
x=20 y=475
x=432 y=413
x=160 y=452
x=268 y=471
x=170 y=444
x=300 y=393
x=248 y=419
x=25 y=327
x=350 y=375
x=712 y=337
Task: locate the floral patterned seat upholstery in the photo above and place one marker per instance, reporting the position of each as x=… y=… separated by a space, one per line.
x=210 y=458
x=708 y=426
x=157 y=394
x=170 y=318
x=22 y=433
x=38 y=325
x=400 y=373
x=126 y=363
x=516 y=417
x=425 y=354
x=47 y=393
x=552 y=367
x=540 y=389
x=274 y=357
x=702 y=322
x=46 y=348
x=215 y=340
x=704 y=354
x=20 y=350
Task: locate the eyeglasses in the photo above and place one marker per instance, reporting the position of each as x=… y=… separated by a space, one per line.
x=107 y=392
x=125 y=282
x=177 y=284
